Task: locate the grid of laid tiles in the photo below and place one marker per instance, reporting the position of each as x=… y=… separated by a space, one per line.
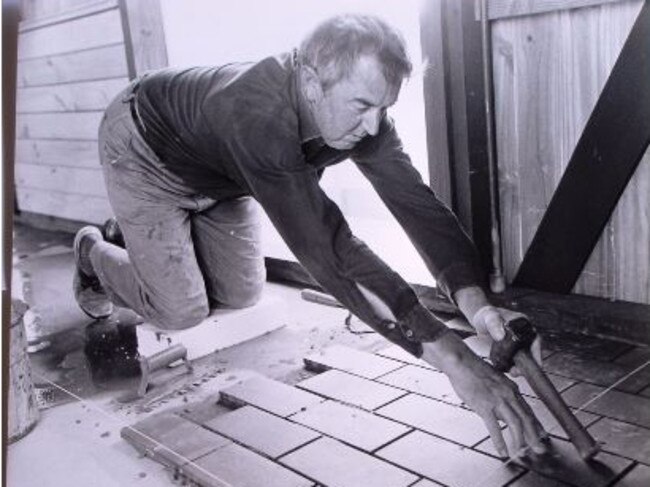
x=388 y=419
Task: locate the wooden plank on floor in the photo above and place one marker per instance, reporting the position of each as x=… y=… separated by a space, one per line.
x=83 y=181
x=69 y=97
x=91 y=64
x=78 y=153
x=73 y=125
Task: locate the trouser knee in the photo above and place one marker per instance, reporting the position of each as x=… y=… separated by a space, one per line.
x=182 y=316
x=245 y=296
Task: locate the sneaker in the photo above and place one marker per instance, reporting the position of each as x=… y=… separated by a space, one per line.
x=88 y=291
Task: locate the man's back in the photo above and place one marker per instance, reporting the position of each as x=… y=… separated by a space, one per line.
x=191 y=116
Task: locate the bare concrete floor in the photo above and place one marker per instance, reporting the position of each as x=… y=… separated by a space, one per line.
x=77 y=442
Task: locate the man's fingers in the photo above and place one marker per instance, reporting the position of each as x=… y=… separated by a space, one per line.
x=514 y=426
x=494 y=325
x=536 y=350
x=533 y=430
x=496 y=434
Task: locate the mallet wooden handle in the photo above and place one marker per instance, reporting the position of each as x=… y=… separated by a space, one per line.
x=539 y=382
x=320 y=298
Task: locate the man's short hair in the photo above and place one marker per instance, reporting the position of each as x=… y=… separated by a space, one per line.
x=336 y=44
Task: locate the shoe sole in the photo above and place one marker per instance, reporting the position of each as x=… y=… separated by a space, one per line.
x=85 y=231
x=88 y=230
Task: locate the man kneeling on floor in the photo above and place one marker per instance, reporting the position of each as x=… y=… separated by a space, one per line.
x=186 y=155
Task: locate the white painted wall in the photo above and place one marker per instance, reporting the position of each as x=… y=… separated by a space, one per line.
x=200 y=32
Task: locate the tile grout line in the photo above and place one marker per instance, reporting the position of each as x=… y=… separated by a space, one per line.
x=120 y=421
x=581 y=408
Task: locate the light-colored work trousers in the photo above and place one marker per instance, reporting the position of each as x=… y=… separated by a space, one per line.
x=184 y=252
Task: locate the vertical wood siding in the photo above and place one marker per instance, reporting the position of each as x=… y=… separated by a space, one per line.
x=549 y=70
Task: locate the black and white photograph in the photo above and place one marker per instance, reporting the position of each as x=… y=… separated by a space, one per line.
x=326 y=243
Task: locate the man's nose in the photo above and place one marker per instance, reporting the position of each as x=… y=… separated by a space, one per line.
x=371 y=121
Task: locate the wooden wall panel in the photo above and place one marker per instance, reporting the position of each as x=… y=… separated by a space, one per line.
x=549 y=70
x=630 y=230
x=514 y=8
x=38 y=9
x=74 y=57
x=80 y=153
x=83 y=33
x=74 y=180
x=70 y=97
x=92 y=209
x=75 y=125
x=94 y=64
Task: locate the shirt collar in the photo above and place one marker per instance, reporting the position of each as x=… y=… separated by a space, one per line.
x=307 y=124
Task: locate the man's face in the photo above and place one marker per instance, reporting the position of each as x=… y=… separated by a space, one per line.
x=352 y=107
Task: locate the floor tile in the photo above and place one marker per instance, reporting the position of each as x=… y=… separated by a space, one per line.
x=638 y=380
x=639 y=476
x=236 y=466
x=334 y=464
x=173 y=440
x=438 y=418
x=350 y=360
x=421 y=381
x=560 y=383
x=351 y=389
x=584 y=368
x=396 y=352
x=425 y=483
x=261 y=431
x=635 y=357
x=604 y=350
x=532 y=479
x=563 y=462
x=549 y=422
x=614 y=404
x=446 y=462
x=270 y=395
x=623 y=439
x=349 y=424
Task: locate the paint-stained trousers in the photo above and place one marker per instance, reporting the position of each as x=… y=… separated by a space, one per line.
x=184 y=252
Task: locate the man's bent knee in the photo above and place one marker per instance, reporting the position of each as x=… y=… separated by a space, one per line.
x=244 y=296
x=181 y=319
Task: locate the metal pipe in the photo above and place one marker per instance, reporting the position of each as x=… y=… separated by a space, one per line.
x=497 y=278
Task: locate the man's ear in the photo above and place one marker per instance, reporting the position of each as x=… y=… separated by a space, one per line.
x=312 y=87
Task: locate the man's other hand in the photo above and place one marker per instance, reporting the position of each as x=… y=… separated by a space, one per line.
x=488 y=393
x=489 y=322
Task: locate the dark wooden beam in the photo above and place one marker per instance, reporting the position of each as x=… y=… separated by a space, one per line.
x=144 y=36
x=436 y=105
x=614 y=140
x=466 y=122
